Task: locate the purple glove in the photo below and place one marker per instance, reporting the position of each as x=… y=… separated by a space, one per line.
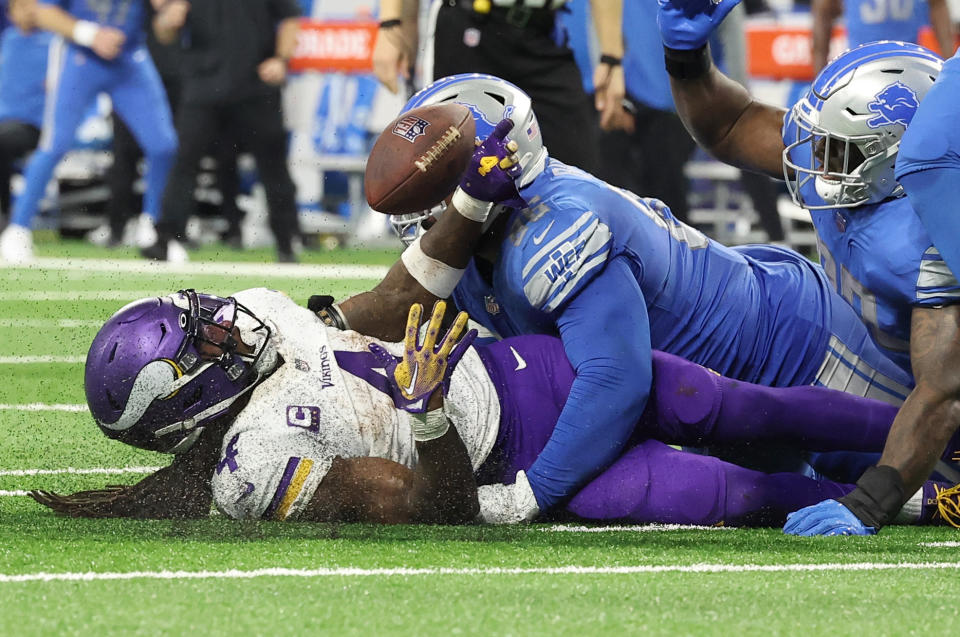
x=424 y=367
x=493 y=168
x=687 y=24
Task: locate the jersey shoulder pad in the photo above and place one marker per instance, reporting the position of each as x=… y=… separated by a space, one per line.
x=555 y=254
x=261 y=475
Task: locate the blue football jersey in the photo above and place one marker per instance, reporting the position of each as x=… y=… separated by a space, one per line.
x=23 y=69
x=758 y=313
x=928 y=164
x=872 y=20
x=880 y=259
x=130 y=16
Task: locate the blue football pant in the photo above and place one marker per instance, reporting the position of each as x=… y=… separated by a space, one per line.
x=74 y=79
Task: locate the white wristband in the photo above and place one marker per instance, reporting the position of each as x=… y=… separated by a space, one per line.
x=84 y=32
x=429 y=426
x=435 y=276
x=469 y=206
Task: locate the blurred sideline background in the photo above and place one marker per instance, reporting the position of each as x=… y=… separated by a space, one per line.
x=335 y=108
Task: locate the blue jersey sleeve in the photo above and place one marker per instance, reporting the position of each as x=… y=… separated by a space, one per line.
x=560 y=254
x=606 y=337
x=928 y=164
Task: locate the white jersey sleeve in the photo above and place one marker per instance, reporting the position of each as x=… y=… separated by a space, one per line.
x=264 y=474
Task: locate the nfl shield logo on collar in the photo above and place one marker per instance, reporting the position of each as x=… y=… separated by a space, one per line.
x=410 y=127
x=491 y=304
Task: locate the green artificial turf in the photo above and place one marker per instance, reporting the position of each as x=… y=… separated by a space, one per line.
x=381 y=596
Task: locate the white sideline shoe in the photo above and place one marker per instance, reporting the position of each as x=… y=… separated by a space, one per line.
x=16 y=244
x=176 y=253
x=146 y=234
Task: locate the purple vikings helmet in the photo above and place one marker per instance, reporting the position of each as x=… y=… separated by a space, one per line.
x=490 y=99
x=843 y=135
x=160 y=369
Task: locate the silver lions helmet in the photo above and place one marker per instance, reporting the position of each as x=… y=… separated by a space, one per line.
x=843 y=135
x=490 y=99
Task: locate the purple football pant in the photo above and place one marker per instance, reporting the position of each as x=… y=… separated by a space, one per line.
x=688 y=405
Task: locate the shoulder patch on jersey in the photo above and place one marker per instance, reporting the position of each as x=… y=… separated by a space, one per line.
x=565 y=257
x=935 y=280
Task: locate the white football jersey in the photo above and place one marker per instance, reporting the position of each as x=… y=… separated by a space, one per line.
x=312 y=409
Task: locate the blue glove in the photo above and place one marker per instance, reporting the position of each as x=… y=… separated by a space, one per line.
x=687 y=24
x=494 y=167
x=826 y=518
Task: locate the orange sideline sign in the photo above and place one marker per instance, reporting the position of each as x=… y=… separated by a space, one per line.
x=335 y=46
x=784 y=52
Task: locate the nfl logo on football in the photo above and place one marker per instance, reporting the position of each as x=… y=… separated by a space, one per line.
x=410 y=128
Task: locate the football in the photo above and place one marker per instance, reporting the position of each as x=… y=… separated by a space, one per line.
x=419 y=158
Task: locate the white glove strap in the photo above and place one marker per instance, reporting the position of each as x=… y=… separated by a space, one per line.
x=84 y=32
x=435 y=276
x=469 y=206
x=429 y=426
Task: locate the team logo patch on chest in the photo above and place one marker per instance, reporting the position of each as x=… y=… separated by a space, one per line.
x=895 y=104
x=410 y=128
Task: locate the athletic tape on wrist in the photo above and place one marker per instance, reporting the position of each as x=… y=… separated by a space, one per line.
x=429 y=426
x=469 y=206
x=687 y=64
x=84 y=32
x=435 y=276
x=878 y=496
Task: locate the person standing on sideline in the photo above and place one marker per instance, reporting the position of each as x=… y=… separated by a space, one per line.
x=101 y=48
x=519 y=41
x=235 y=61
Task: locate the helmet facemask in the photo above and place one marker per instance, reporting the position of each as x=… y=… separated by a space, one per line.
x=825 y=169
x=842 y=137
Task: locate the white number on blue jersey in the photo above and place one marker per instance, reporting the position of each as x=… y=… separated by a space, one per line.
x=878 y=11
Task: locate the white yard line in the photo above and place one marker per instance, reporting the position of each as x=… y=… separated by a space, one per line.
x=31 y=360
x=10 y=494
x=80 y=295
x=42 y=407
x=939 y=545
x=645 y=528
x=65 y=323
x=283 y=270
x=111 y=471
x=408 y=572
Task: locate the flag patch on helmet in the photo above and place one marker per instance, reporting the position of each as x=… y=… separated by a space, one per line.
x=897 y=103
x=410 y=127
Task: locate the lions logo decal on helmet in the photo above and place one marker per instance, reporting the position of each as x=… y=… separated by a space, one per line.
x=895 y=104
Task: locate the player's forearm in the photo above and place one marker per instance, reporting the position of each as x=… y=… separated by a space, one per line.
x=446 y=478
x=380 y=312
x=287 y=38
x=608 y=19
x=391 y=9
x=608 y=344
x=942 y=26
x=55 y=19
x=824 y=13
x=919 y=434
x=725 y=120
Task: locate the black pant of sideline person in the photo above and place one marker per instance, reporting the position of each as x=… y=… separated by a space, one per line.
x=17 y=139
x=518 y=45
x=257 y=124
